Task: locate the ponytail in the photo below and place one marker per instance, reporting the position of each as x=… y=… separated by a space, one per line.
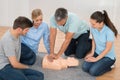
x=108 y=22
x=103 y=17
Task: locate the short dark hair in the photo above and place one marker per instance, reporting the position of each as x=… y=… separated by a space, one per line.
x=22 y=22
x=60 y=14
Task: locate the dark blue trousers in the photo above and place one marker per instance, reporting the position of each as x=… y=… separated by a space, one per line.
x=10 y=73
x=79 y=46
x=28 y=57
x=98 y=68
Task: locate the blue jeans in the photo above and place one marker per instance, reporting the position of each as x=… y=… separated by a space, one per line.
x=79 y=46
x=10 y=73
x=28 y=57
x=98 y=68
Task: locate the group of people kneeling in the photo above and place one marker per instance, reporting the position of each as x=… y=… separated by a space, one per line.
x=19 y=45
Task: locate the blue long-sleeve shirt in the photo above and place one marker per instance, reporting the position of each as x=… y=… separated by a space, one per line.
x=34 y=35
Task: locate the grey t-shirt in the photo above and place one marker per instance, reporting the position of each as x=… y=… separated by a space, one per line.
x=9 y=46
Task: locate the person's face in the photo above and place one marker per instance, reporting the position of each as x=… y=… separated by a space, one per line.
x=95 y=24
x=38 y=21
x=62 y=22
x=23 y=31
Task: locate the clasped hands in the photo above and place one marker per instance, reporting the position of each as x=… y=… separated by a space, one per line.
x=91 y=58
x=53 y=56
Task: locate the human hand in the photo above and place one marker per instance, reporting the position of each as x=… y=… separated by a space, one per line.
x=56 y=56
x=51 y=57
x=91 y=59
x=89 y=54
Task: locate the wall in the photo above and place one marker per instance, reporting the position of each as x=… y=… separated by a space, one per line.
x=84 y=8
x=9 y=9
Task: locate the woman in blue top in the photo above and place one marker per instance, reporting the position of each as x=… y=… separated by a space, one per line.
x=102 y=56
x=30 y=42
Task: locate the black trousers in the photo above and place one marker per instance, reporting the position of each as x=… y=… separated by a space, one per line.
x=79 y=46
x=28 y=57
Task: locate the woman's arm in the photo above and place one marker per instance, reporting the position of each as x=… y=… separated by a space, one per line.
x=101 y=55
x=91 y=53
x=107 y=49
x=46 y=39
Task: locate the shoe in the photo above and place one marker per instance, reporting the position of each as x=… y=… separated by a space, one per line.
x=113 y=66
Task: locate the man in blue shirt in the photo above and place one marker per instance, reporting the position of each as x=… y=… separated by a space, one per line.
x=76 y=34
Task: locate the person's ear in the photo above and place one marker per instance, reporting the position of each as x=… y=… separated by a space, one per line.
x=19 y=29
x=66 y=17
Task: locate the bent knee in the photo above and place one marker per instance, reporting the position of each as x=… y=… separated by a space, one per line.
x=94 y=72
x=40 y=76
x=85 y=67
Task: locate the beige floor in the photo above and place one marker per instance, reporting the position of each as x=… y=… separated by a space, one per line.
x=112 y=75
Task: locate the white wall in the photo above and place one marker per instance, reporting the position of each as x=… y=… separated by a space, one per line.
x=84 y=8
x=117 y=14
x=4 y=12
x=9 y=9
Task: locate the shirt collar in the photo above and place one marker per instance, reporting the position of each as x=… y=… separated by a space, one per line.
x=103 y=29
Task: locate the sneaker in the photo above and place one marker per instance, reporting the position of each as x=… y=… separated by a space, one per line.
x=113 y=66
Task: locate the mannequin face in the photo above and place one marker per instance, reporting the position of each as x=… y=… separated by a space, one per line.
x=37 y=21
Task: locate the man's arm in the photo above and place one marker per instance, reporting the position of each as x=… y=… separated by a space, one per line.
x=16 y=64
x=65 y=44
x=53 y=32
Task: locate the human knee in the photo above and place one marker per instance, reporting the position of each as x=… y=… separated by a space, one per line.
x=94 y=72
x=40 y=76
x=85 y=67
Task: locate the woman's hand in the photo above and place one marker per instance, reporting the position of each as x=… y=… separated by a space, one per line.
x=91 y=59
x=89 y=54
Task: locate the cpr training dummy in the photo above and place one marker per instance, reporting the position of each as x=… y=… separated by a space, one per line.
x=59 y=63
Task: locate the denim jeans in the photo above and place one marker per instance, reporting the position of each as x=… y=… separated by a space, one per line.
x=10 y=73
x=98 y=68
x=79 y=46
x=28 y=57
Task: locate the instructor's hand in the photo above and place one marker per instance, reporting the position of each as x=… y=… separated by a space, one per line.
x=51 y=57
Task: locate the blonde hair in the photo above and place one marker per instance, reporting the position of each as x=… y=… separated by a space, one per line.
x=36 y=13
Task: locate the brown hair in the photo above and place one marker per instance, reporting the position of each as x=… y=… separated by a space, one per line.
x=22 y=22
x=36 y=13
x=103 y=17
